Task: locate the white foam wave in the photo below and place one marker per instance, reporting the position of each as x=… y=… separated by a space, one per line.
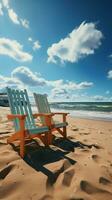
x=88 y=114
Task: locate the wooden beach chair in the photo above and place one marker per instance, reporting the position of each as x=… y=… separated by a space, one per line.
x=24 y=123
x=44 y=107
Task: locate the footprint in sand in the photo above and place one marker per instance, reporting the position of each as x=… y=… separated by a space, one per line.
x=53 y=177
x=104 y=181
x=96 y=158
x=6 y=171
x=46 y=197
x=8 y=189
x=91 y=189
x=71 y=137
x=73 y=198
x=68 y=177
x=67 y=164
x=85 y=150
x=74 y=129
x=85 y=140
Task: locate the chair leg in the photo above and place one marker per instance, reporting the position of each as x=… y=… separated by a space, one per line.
x=22 y=145
x=50 y=137
x=65 y=132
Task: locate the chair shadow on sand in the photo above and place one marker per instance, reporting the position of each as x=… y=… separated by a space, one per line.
x=39 y=156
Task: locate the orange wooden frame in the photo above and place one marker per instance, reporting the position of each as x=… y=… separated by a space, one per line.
x=23 y=134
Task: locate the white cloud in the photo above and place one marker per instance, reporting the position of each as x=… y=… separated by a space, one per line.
x=5 y=3
x=99 y=98
x=69 y=85
x=65 y=89
x=109 y=74
x=81 y=42
x=1 y=11
x=14 y=49
x=27 y=77
x=30 y=39
x=25 y=23
x=36 y=45
x=13 y=16
x=55 y=83
x=11 y=82
x=23 y=77
x=59 y=91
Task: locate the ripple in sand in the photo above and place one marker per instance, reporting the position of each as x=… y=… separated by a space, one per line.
x=68 y=177
x=52 y=178
x=76 y=198
x=104 y=181
x=91 y=189
x=74 y=129
x=96 y=158
x=6 y=171
x=46 y=197
x=7 y=190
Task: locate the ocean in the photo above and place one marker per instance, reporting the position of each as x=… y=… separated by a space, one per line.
x=90 y=110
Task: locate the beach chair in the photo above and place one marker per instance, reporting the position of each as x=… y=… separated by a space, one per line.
x=44 y=107
x=24 y=123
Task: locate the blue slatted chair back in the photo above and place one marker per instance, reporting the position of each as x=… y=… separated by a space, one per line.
x=42 y=105
x=20 y=104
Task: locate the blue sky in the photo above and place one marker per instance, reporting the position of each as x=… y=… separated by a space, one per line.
x=62 y=48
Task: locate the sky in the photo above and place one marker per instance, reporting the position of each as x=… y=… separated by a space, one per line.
x=62 y=48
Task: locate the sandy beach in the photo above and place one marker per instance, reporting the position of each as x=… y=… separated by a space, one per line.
x=79 y=168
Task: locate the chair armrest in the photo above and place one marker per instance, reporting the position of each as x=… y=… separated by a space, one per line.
x=43 y=115
x=63 y=115
x=47 y=116
x=60 y=113
x=21 y=119
x=13 y=116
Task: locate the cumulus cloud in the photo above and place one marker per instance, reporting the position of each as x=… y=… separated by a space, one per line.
x=9 y=81
x=81 y=42
x=64 y=89
x=23 y=77
x=5 y=3
x=99 y=98
x=59 y=91
x=1 y=11
x=13 y=15
x=109 y=74
x=55 y=83
x=27 y=77
x=25 y=23
x=14 y=49
x=36 y=45
x=70 y=85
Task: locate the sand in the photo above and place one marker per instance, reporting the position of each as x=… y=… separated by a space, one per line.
x=79 y=168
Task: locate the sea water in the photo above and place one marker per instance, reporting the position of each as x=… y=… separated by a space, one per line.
x=89 y=110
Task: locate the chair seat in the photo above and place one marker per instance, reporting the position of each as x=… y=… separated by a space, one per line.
x=38 y=130
x=60 y=125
